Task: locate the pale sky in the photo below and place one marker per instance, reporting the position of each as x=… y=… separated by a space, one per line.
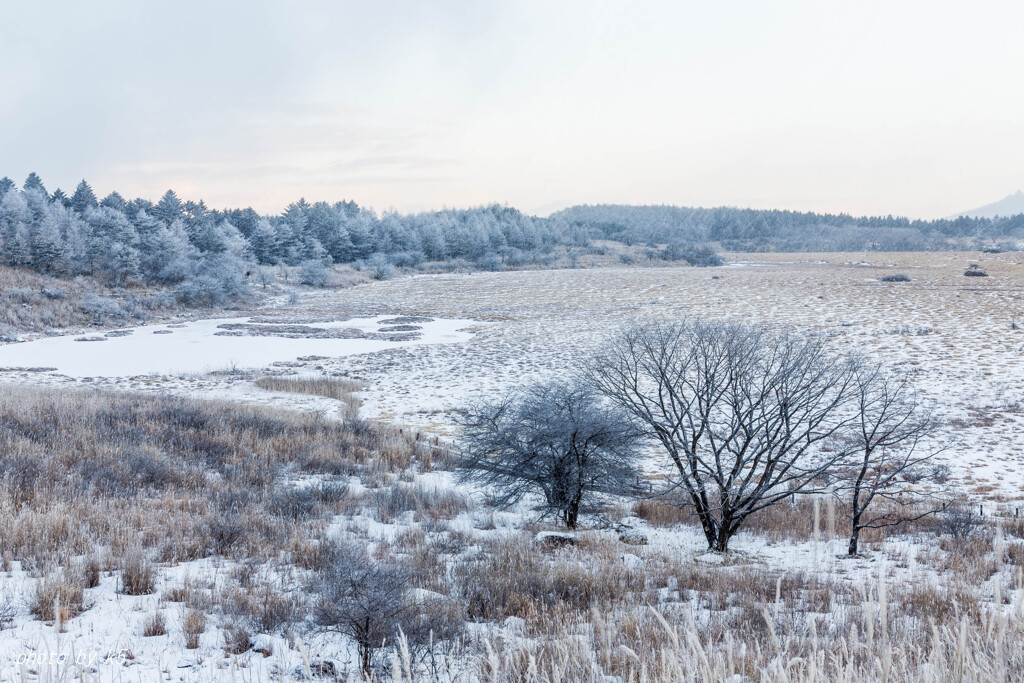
x=869 y=107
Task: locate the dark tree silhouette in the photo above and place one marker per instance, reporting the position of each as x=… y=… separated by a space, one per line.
x=886 y=459
x=556 y=439
x=741 y=411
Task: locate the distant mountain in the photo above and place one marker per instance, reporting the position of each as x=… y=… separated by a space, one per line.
x=1008 y=206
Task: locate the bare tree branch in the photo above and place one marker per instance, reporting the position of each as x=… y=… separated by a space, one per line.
x=745 y=413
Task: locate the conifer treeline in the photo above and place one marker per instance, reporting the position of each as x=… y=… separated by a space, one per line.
x=203 y=253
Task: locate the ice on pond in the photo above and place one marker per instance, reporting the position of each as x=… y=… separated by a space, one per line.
x=217 y=344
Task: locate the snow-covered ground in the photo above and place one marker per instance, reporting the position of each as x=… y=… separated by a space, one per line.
x=480 y=334
x=961 y=337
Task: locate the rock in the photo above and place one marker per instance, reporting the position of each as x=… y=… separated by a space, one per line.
x=974 y=270
x=320 y=668
x=514 y=626
x=630 y=561
x=324 y=668
x=631 y=536
x=554 y=539
x=186 y=662
x=263 y=644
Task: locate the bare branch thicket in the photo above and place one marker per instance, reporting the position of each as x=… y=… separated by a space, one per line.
x=888 y=453
x=558 y=439
x=373 y=601
x=745 y=413
x=365 y=599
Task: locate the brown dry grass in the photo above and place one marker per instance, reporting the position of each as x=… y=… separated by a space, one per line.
x=328 y=387
x=31 y=302
x=153 y=479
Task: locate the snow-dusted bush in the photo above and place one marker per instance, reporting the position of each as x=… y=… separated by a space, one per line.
x=101 y=310
x=366 y=599
x=491 y=262
x=314 y=273
x=408 y=259
x=379 y=267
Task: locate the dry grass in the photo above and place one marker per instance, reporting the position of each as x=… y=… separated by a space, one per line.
x=193 y=625
x=142 y=481
x=328 y=387
x=31 y=302
x=138 y=576
x=58 y=597
x=155 y=625
x=176 y=479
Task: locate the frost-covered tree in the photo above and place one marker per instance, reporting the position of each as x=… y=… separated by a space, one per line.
x=167 y=256
x=34 y=182
x=14 y=228
x=264 y=243
x=83 y=198
x=58 y=197
x=556 y=439
x=168 y=208
x=47 y=245
x=115 y=201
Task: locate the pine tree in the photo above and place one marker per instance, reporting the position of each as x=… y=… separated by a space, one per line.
x=166 y=255
x=83 y=198
x=168 y=208
x=264 y=243
x=46 y=244
x=6 y=185
x=116 y=202
x=34 y=182
x=14 y=217
x=124 y=263
x=59 y=197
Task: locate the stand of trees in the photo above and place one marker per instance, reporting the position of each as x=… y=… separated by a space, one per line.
x=203 y=253
x=759 y=230
x=745 y=416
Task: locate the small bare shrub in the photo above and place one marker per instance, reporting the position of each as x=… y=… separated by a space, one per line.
x=155 y=625
x=193 y=624
x=93 y=571
x=57 y=597
x=960 y=521
x=138 y=576
x=236 y=639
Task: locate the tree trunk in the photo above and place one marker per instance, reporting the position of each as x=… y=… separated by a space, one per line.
x=854 y=537
x=725 y=532
x=722 y=544
x=571 y=515
x=858 y=510
x=710 y=529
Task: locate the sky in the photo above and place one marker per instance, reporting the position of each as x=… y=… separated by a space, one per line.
x=896 y=107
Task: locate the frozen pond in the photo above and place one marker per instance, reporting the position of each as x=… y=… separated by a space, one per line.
x=217 y=344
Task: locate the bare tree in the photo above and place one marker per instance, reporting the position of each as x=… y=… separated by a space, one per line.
x=555 y=438
x=742 y=411
x=886 y=457
x=365 y=599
